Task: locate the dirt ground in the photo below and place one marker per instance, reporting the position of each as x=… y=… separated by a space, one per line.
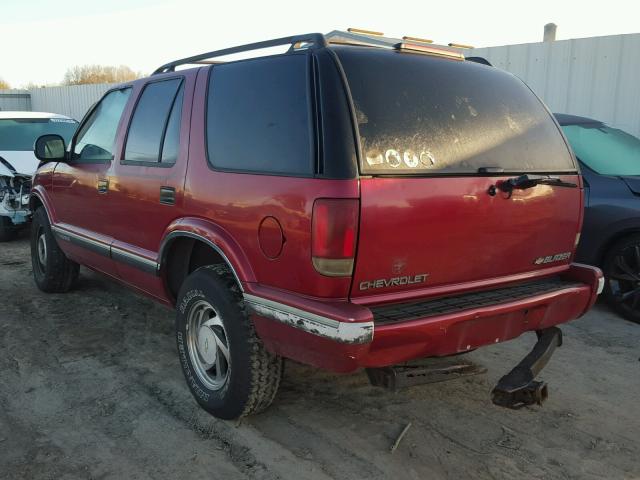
x=90 y=387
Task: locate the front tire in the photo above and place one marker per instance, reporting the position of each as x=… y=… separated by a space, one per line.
x=7 y=229
x=227 y=368
x=53 y=272
x=622 y=272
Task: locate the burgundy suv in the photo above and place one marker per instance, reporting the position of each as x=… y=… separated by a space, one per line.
x=342 y=205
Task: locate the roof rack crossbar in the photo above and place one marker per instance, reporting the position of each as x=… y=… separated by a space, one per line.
x=315 y=40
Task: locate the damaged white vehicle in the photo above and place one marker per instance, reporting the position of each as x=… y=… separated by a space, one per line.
x=18 y=133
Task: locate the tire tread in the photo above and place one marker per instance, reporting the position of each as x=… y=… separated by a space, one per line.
x=63 y=272
x=7 y=230
x=621 y=244
x=266 y=368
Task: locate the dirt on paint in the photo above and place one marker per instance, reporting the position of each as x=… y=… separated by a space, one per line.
x=91 y=388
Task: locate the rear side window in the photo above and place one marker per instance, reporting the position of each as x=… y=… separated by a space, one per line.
x=258 y=116
x=97 y=135
x=155 y=125
x=171 y=143
x=419 y=114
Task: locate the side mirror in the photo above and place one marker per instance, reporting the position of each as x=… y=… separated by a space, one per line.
x=50 y=148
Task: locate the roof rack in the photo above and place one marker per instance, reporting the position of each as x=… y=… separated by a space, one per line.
x=297 y=42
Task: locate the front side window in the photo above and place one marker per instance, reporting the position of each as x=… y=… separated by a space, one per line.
x=19 y=134
x=258 y=116
x=96 y=139
x=155 y=125
x=605 y=150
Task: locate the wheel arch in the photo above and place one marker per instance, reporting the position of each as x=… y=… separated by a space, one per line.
x=191 y=244
x=38 y=198
x=612 y=240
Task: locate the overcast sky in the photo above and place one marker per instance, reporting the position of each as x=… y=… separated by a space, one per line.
x=40 y=39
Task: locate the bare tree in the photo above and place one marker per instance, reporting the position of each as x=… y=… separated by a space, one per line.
x=4 y=85
x=82 y=74
x=33 y=85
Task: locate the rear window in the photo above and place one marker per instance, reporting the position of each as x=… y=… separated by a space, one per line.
x=259 y=116
x=419 y=114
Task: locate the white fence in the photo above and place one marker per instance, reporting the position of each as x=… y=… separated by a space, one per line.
x=19 y=100
x=72 y=101
x=597 y=77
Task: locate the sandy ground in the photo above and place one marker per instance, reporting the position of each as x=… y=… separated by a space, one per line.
x=90 y=387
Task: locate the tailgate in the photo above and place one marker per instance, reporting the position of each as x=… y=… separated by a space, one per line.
x=429 y=232
x=434 y=137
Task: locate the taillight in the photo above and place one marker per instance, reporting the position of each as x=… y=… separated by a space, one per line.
x=334 y=235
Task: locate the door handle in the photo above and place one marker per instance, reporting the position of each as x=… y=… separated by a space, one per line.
x=103 y=186
x=167 y=195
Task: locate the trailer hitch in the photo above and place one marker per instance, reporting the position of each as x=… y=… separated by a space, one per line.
x=518 y=387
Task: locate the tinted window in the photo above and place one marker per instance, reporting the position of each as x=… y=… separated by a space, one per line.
x=19 y=134
x=258 y=116
x=605 y=150
x=150 y=120
x=97 y=135
x=171 y=143
x=422 y=114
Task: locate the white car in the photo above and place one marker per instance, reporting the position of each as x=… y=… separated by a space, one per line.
x=18 y=133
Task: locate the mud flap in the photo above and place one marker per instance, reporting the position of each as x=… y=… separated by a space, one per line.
x=518 y=387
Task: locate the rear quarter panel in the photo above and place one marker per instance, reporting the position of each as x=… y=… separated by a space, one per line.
x=239 y=202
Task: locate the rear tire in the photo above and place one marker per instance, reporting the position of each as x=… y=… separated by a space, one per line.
x=7 y=229
x=53 y=272
x=622 y=273
x=227 y=368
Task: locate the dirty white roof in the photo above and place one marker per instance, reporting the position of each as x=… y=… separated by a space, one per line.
x=10 y=115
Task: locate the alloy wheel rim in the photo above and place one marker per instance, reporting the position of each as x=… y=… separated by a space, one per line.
x=41 y=248
x=208 y=345
x=624 y=278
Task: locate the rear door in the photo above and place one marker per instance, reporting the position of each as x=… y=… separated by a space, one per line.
x=148 y=176
x=435 y=136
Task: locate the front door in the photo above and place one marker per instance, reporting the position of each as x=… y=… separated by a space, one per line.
x=81 y=190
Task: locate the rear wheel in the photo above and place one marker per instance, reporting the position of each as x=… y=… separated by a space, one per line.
x=53 y=272
x=622 y=272
x=227 y=368
x=7 y=229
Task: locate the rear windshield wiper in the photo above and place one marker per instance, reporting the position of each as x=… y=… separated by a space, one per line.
x=528 y=181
